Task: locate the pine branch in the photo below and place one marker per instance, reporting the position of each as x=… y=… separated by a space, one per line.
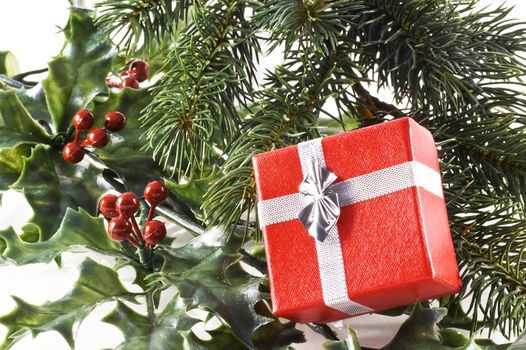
x=132 y=22
x=490 y=239
x=493 y=152
x=436 y=53
x=287 y=113
x=194 y=110
x=310 y=25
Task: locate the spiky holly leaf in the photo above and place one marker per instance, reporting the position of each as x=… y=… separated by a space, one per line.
x=351 y=343
x=78 y=229
x=51 y=185
x=11 y=164
x=124 y=153
x=16 y=125
x=79 y=73
x=170 y=330
x=97 y=284
x=8 y=63
x=421 y=331
x=207 y=274
x=192 y=190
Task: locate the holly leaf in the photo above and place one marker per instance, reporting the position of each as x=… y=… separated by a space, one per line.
x=208 y=275
x=421 y=331
x=351 y=343
x=172 y=329
x=78 y=229
x=16 y=125
x=520 y=343
x=11 y=164
x=79 y=73
x=124 y=153
x=34 y=100
x=97 y=284
x=193 y=190
x=8 y=63
x=51 y=185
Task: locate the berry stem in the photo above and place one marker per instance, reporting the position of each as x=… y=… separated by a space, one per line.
x=133 y=241
x=151 y=213
x=136 y=228
x=77 y=135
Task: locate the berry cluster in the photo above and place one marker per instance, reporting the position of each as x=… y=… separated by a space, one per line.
x=83 y=120
x=137 y=72
x=122 y=209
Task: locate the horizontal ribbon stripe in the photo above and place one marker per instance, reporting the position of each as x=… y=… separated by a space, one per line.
x=355 y=190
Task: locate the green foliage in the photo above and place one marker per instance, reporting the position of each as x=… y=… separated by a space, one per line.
x=211 y=278
x=78 y=74
x=201 y=122
x=172 y=329
x=8 y=63
x=124 y=150
x=78 y=229
x=45 y=178
x=193 y=111
x=96 y=284
x=133 y=21
x=351 y=343
x=16 y=125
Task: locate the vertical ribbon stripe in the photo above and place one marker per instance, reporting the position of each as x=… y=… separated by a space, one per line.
x=329 y=252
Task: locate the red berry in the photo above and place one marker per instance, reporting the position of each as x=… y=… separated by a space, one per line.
x=130 y=82
x=83 y=120
x=139 y=70
x=97 y=137
x=155 y=192
x=154 y=232
x=73 y=152
x=127 y=203
x=107 y=206
x=119 y=228
x=114 y=121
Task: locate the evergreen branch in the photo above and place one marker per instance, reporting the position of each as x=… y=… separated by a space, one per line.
x=131 y=22
x=493 y=152
x=194 y=113
x=312 y=25
x=287 y=113
x=490 y=240
x=435 y=53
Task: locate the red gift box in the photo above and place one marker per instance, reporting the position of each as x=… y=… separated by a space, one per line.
x=391 y=244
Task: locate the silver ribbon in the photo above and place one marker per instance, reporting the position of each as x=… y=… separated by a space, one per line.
x=322 y=213
x=315 y=206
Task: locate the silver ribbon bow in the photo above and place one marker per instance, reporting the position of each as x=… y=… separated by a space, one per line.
x=322 y=213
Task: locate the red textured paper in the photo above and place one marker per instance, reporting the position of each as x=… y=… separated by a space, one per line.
x=397 y=248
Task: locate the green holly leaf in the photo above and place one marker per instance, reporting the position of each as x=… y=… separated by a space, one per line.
x=520 y=343
x=124 y=153
x=351 y=343
x=421 y=331
x=34 y=100
x=78 y=229
x=207 y=274
x=8 y=64
x=79 y=73
x=97 y=284
x=193 y=190
x=51 y=185
x=170 y=330
x=11 y=164
x=16 y=125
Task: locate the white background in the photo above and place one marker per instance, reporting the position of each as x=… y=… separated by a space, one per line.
x=28 y=28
